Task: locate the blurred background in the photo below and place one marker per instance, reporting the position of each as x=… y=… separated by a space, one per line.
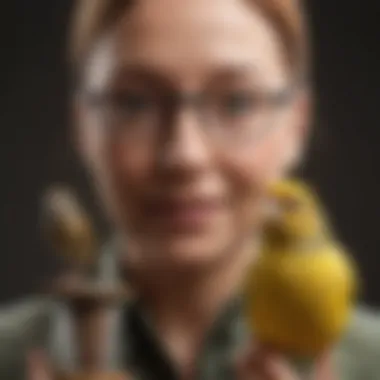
x=35 y=143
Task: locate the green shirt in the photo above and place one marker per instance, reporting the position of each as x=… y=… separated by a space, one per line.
x=147 y=360
x=356 y=356
x=133 y=344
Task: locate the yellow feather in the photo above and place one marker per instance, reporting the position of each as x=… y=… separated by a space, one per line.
x=68 y=227
x=301 y=290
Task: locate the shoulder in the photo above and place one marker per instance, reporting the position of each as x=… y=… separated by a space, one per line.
x=25 y=318
x=364 y=331
x=359 y=350
x=22 y=324
x=20 y=312
x=365 y=325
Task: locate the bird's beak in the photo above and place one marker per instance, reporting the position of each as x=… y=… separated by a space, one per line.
x=273 y=225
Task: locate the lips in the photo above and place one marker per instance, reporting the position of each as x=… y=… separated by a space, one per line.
x=184 y=213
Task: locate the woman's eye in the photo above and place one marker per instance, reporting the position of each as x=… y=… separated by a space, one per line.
x=238 y=103
x=133 y=103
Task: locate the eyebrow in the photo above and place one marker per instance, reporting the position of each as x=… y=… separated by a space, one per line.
x=141 y=72
x=148 y=73
x=230 y=72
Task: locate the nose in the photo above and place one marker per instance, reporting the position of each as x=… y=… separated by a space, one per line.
x=185 y=147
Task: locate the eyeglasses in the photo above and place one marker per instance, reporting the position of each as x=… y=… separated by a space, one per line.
x=229 y=115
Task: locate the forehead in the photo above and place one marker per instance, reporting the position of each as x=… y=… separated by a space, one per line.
x=188 y=41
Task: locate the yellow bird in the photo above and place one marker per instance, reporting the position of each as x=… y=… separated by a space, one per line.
x=68 y=227
x=301 y=290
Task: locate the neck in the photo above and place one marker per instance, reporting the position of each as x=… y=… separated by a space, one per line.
x=184 y=304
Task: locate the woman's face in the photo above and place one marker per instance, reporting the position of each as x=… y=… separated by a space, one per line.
x=183 y=124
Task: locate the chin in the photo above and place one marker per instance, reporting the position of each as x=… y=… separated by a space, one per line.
x=192 y=252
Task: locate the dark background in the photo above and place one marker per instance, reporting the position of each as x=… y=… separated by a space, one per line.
x=35 y=149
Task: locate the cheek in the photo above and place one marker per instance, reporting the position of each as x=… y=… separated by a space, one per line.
x=252 y=168
x=255 y=166
x=129 y=169
x=110 y=157
x=269 y=160
x=122 y=174
x=131 y=162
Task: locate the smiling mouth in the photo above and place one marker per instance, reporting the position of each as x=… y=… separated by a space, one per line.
x=183 y=214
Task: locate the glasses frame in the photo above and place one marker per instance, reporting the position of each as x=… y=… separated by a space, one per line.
x=173 y=102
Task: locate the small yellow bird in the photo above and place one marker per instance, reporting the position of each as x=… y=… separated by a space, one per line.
x=301 y=290
x=68 y=227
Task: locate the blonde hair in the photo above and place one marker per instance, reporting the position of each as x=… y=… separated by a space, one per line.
x=92 y=18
